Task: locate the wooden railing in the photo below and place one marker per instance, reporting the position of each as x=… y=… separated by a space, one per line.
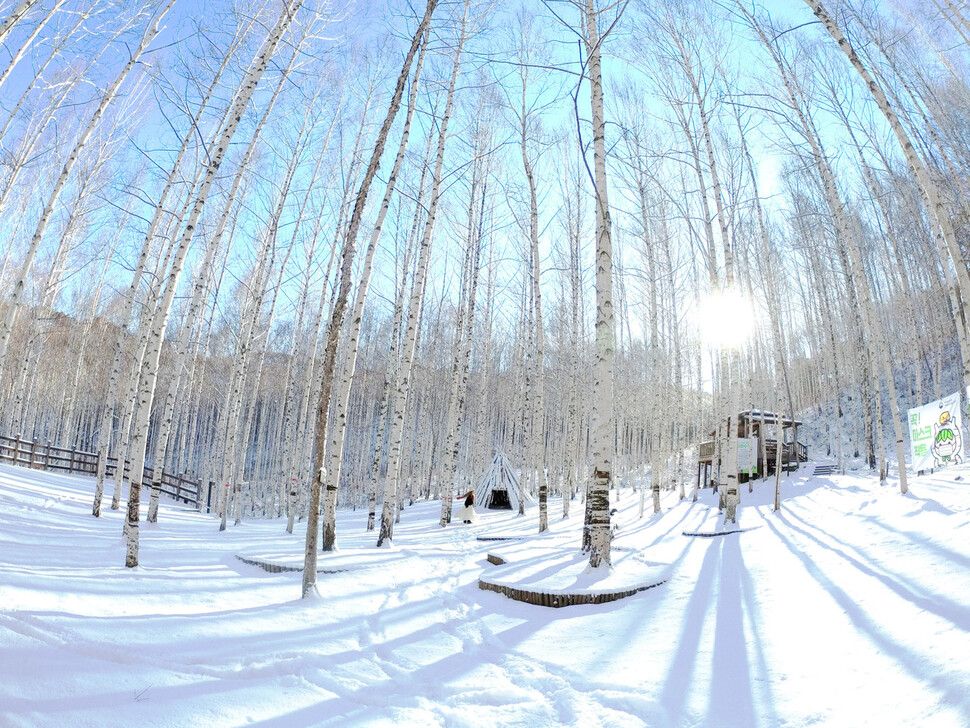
x=70 y=460
x=790 y=453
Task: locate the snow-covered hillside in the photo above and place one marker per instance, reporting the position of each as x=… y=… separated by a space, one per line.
x=851 y=607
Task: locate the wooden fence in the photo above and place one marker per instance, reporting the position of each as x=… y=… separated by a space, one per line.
x=70 y=460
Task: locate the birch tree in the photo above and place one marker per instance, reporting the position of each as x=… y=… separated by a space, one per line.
x=13 y=304
x=412 y=325
x=602 y=395
x=337 y=435
x=336 y=321
x=935 y=203
x=244 y=93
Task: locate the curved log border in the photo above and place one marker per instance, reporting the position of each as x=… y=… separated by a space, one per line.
x=545 y=599
x=280 y=569
x=717 y=533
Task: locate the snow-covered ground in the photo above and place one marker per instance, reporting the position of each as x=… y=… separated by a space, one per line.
x=850 y=608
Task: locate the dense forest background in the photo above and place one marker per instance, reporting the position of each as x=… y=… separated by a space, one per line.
x=177 y=186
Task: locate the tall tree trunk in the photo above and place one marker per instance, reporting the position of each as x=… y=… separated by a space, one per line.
x=16 y=15
x=336 y=322
x=417 y=297
x=464 y=327
x=935 y=203
x=602 y=425
x=150 y=368
x=13 y=305
x=114 y=382
x=337 y=434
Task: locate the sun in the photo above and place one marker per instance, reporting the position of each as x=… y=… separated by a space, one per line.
x=726 y=319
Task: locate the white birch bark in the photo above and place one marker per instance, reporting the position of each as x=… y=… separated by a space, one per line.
x=150 y=368
x=297 y=406
x=390 y=376
x=183 y=346
x=114 y=383
x=301 y=451
x=337 y=435
x=539 y=415
x=249 y=406
x=766 y=261
x=414 y=308
x=462 y=349
x=728 y=359
x=484 y=434
x=573 y=419
x=39 y=76
x=13 y=305
x=16 y=15
x=229 y=479
x=830 y=190
x=28 y=42
x=935 y=203
x=601 y=428
x=180 y=363
x=336 y=322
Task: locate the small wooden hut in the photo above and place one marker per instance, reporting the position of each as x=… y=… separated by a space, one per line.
x=753 y=424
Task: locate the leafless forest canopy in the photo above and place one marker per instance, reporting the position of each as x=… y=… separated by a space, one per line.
x=363 y=246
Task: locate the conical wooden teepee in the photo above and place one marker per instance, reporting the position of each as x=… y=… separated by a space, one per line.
x=498 y=488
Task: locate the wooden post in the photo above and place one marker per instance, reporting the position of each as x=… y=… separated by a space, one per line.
x=70 y=467
x=16 y=450
x=33 y=454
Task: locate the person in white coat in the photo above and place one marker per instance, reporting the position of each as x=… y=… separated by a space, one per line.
x=466 y=514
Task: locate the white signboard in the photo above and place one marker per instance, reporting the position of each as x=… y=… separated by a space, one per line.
x=936 y=440
x=748 y=455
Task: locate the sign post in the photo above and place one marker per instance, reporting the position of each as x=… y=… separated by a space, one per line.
x=747 y=455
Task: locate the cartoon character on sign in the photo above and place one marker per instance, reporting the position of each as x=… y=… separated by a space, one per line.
x=947 y=443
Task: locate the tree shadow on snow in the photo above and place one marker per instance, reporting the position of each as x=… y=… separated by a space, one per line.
x=722 y=584
x=904 y=588
x=919 y=665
